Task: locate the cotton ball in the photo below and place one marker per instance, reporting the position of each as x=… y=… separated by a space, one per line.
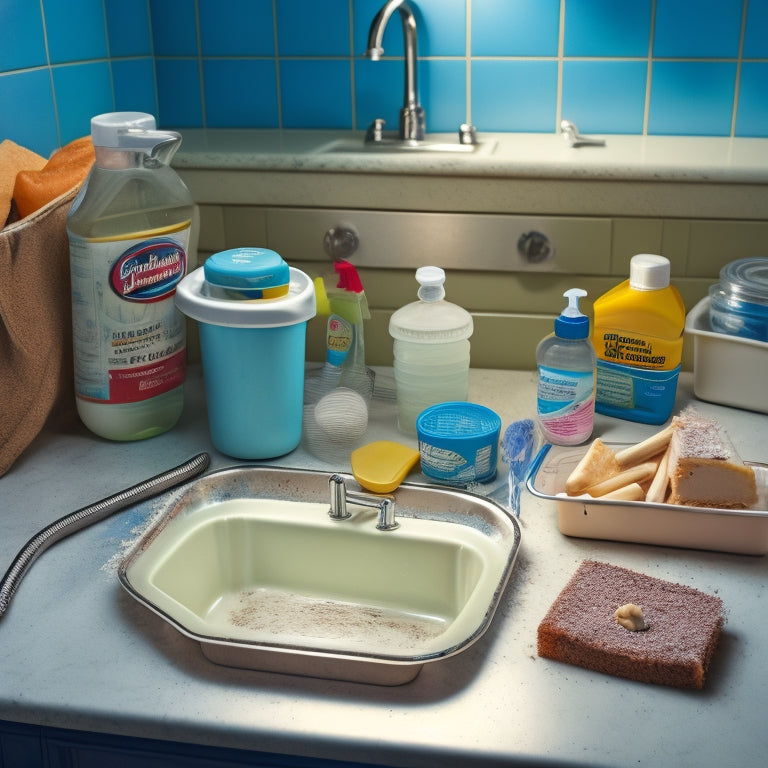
x=342 y=414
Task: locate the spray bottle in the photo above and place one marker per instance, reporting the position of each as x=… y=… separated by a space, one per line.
x=565 y=399
x=346 y=307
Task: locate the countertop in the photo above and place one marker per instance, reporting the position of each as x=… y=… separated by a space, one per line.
x=521 y=173
x=80 y=653
x=514 y=155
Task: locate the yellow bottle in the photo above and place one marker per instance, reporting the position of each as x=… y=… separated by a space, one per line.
x=638 y=339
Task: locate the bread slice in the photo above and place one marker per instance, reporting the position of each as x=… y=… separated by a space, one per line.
x=684 y=626
x=597 y=465
x=704 y=468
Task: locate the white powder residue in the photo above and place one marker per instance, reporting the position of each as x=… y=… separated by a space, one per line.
x=155 y=510
x=283 y=615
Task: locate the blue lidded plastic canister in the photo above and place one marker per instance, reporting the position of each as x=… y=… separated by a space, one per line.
x=739 y=302
x=459 y=442
x=252 y=311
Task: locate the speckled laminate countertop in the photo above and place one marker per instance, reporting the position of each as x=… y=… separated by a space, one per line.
x=534 y=174
x=654 y=158
x=79 y=653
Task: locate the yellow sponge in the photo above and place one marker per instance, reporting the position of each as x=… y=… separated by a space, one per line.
x=381 y=466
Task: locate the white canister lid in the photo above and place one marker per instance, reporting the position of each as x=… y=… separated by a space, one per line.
x=194 y=299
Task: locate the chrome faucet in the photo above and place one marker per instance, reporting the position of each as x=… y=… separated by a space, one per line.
x=340 y=496
x=412 y=121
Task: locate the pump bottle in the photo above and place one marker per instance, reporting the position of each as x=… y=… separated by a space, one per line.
x=565 y=397
x=129 y=231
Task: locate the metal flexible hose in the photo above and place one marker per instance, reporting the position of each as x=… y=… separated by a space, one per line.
x=94 y=513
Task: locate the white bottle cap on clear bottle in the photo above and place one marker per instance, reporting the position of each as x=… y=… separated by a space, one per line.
x=109 y=129
x=649 y=272
x=431 y=281
x=431 y=319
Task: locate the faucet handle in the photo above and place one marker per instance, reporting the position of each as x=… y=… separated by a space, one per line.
x=575 y=139
x=338 y=509
x=467 y=134
x=375 y=132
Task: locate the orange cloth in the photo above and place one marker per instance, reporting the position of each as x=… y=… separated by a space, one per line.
x=66 y=169
x=14 y=158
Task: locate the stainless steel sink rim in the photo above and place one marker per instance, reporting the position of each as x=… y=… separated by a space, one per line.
x=251 y=482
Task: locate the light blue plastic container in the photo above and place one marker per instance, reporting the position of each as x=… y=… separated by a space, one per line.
x=459 y=442
x=252 y=349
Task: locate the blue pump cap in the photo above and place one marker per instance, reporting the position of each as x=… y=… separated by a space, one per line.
x=257 y=272
x=572 y=324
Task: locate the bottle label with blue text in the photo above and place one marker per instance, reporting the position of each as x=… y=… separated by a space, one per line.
x=129 y=338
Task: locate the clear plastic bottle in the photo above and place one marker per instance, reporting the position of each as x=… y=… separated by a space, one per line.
x=129 y=230
x=638 y=339
x=431 y=350
x=565 y=397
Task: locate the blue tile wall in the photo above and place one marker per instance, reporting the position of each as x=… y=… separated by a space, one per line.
x=641 y=67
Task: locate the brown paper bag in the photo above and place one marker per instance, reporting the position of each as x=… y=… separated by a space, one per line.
x=36 y=368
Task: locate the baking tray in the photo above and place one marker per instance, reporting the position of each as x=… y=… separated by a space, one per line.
x=744 y=531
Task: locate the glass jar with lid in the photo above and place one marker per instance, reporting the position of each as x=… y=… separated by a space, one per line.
x=739 y=302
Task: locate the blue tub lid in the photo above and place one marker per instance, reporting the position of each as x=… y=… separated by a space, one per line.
x=259 y=272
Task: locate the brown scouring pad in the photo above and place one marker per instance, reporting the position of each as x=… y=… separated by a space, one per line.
x=676 y=649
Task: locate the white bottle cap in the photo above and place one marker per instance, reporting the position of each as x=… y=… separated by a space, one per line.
x=108 y=130
x=431 y=280
x=431 y=319
x=649 y=272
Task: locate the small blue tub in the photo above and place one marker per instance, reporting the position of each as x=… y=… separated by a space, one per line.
x=459 y=442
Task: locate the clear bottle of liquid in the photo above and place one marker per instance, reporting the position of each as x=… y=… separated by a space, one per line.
x=638 y=339
x=431 y=350
x=129 y=230
x=565 y=398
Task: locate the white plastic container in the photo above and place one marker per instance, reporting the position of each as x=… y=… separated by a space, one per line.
x=431 y=350
x=129 y=230
x=565 y=396
x=727 y=369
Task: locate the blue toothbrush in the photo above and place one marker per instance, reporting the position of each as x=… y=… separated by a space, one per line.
x=517 y=448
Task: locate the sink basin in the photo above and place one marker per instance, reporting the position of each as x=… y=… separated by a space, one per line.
x=247 y=562
x=391 y=146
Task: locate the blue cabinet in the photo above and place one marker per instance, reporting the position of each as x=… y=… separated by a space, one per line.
x=31 y=746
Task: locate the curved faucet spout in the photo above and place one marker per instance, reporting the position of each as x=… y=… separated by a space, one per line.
x=412 y=118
